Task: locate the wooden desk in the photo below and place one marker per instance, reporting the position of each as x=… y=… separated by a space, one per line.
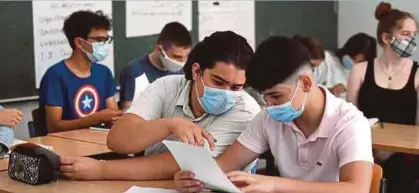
x=64 y=147
x=396 y=138
x=86 y=135
x=67 y=186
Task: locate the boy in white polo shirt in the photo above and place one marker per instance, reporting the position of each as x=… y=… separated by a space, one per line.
x=320 y=143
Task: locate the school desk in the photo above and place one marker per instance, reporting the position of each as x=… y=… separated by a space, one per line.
x=86 y=135
x=395 y=138
x=70 y=186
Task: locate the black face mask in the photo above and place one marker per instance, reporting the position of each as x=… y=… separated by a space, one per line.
x=33 y=164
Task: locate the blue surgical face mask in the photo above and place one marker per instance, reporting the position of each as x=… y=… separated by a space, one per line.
x=216 y=101
x=286 y=112
x=99 y=52
x=347 y=62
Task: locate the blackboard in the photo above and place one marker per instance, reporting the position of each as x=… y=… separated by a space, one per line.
x=17 y=76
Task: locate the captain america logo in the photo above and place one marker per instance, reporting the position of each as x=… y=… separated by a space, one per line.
x=86 y=100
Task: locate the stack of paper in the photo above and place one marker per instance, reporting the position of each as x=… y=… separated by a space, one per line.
x=136 y=189
x=202 y=164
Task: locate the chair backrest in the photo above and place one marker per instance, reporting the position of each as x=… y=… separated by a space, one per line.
x=37 y=122
x=377 y=176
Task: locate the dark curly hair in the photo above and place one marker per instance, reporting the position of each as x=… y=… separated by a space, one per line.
x=81 y=23
x=222 y=46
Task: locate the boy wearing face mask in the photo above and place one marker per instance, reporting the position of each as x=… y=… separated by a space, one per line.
x=321 y=144
x=77 y=92
x=207 y=107
x=168 y=57
x=387 y=88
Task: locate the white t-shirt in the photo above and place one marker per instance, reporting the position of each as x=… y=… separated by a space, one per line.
x=344 y=136
x=331 y=72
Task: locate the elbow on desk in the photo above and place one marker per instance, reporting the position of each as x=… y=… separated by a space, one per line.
x=118 y=146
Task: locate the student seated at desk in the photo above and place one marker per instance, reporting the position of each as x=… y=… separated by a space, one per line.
x=387 y=88
x=8 y=118
x=331 y=68
x=206 y=103
x=78 y=92
x=320 y=143
x=168 y=57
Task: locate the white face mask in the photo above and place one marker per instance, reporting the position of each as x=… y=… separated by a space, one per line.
x=170 y=64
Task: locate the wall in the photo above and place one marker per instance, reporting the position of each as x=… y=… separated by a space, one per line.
x=358 y=16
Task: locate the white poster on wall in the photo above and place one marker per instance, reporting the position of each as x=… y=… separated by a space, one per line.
x=237 y=16
x=149 y=17
x=50 y=43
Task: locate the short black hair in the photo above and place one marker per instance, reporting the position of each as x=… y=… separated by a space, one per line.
x=222 y=46
x=81 y=23
x=313 y=45
x=174 y=33
x=360 y=43
x=276 y=59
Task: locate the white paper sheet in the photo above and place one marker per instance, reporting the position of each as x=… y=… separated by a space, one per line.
x=149 y=17
x=50 y=43
x=373 y=121
x=237 y=16
x=199 y=161
x=141 y=84
x=136 y=189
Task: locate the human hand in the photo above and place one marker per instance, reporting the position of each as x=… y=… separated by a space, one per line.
x=184 y=182
x=190 y=133
x=253 y=183
x=10 y=117
x=81 y=168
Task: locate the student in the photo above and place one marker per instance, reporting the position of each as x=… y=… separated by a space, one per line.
x=168 y=57
x=8 y=118
x=78 y=92
x=206 y=104
x=320 y=143
x=333 y=67
x=387 y=88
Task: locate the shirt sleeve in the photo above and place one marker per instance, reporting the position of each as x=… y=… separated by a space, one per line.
x=127 y=83
x=51 y=89
x=149 y=104
x=110 y=84
x=354 y=142
x=227 y=128
x=254 y=137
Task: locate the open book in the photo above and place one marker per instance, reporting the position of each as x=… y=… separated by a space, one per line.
x=199 y=161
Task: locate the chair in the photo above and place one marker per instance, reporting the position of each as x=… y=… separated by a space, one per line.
x=35 y=126
x=378 y=183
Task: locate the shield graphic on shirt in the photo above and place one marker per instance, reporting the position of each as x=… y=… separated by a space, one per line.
x=86 y=100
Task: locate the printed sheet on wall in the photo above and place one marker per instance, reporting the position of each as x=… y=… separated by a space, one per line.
x=50 y=43
x=145 y=18
x=237 y=16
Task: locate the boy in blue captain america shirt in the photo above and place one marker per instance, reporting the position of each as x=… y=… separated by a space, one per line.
x=78 y=92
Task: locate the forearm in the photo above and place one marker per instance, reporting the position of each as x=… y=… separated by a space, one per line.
x=155 y=167
x=132 y=135
x=297 y=186
x=67 y=125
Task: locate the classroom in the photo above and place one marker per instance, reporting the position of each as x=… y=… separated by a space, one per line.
x=209 y=96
